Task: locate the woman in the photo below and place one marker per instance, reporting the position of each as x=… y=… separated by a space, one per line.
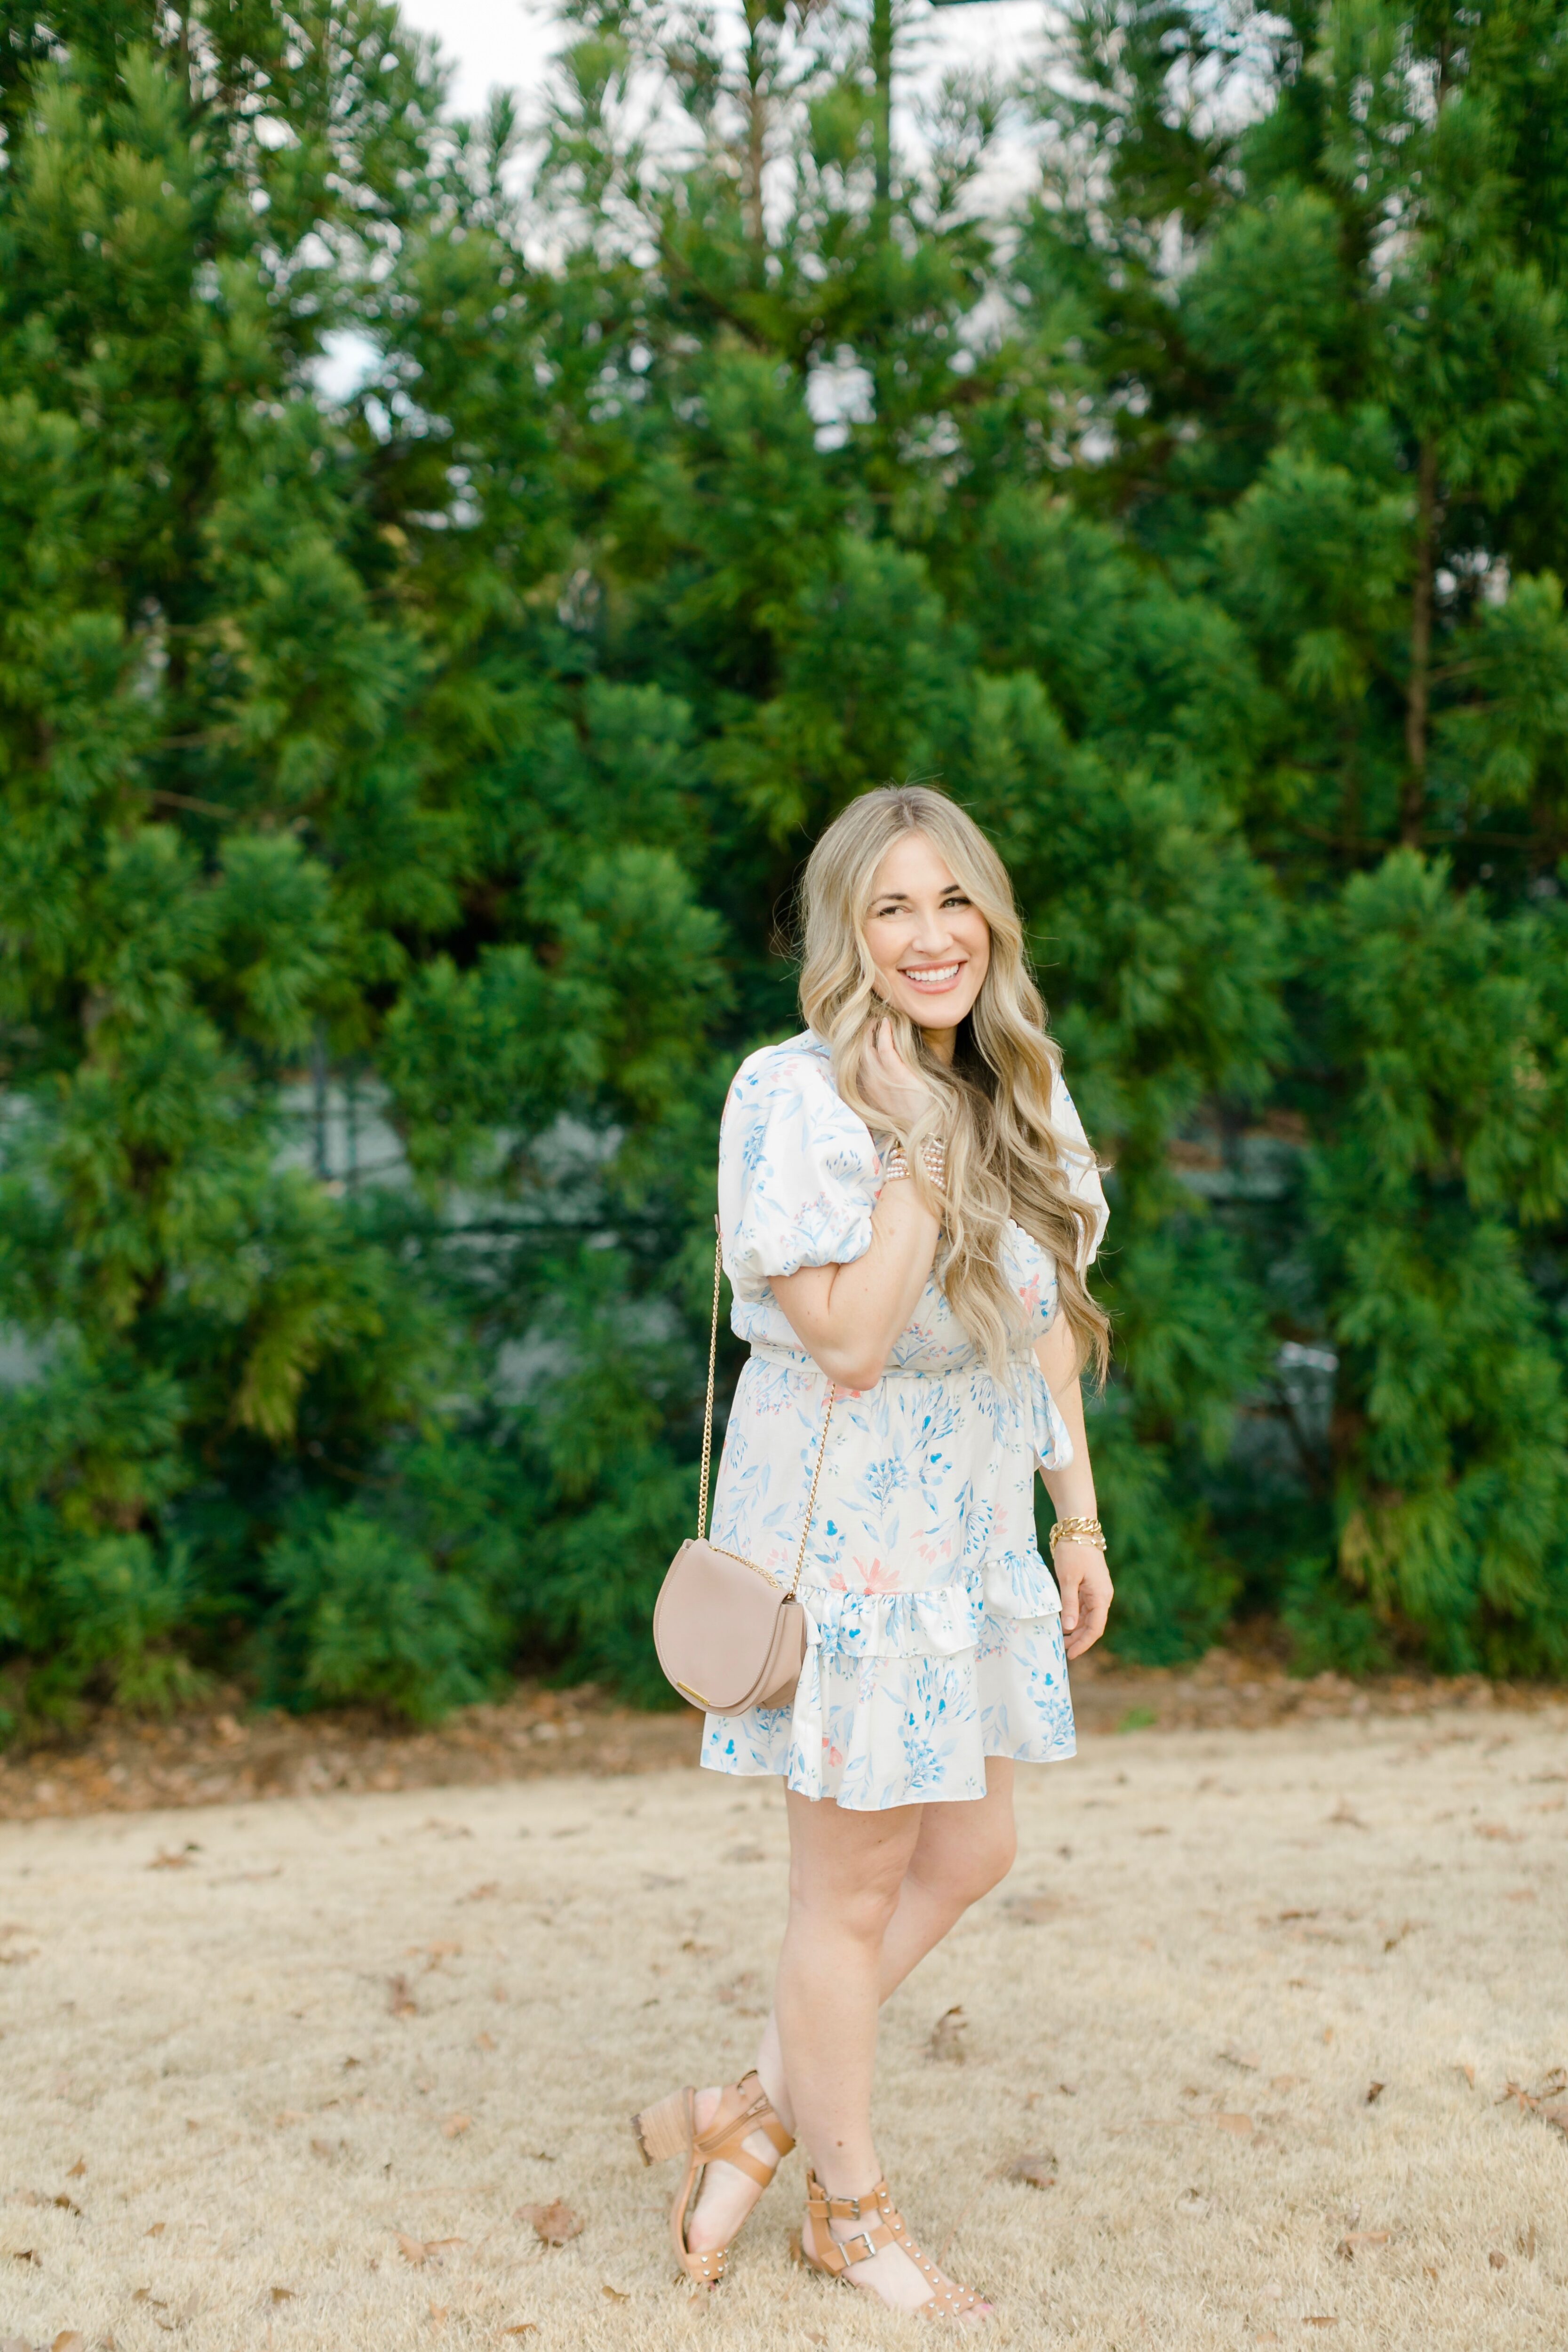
x=919 y=1321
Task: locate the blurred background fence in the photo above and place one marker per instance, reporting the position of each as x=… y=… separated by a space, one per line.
x=449 y=569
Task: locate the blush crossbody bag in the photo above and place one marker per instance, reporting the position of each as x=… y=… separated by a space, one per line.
x=729 y=1636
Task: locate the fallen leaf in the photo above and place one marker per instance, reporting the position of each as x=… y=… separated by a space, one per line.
x=1557 y=2116
x=1374 y=2092
x=1193 y=2205
x=157 y=2229
x=1351 y=2245
x=1499 y=1831
x=402 y=2003
x=614 y=2294
x=1470 y=2074
x=1242 y=2058
x=1321 y=2320
x=1344 y=1819
x=456 y=2126
x=69 y=2339
x=483 y=1894
x=178 y=1860
x=323 y=2147
x=1497 y=2258
x=796 y=2256
x=553 y=2223
x=418 y=2251
x=523 y=2328
x=945 y=2033
x=26 y=2255
x=484 y=2042
x=77 y=2168
x=1525 y=2241
x=283 y=2294
x=1039 y=2170
x=1240 y=2124
x=438 y=2312
x=68 y=2203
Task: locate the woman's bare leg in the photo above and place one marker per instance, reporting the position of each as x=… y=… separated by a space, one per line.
x=960 y=1853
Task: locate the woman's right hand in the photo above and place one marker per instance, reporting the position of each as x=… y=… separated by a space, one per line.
x=887 y=1083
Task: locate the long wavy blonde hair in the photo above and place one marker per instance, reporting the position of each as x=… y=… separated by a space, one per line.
x=992 y=1107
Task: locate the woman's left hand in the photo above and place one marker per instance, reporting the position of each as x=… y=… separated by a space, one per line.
x=1084 y=1582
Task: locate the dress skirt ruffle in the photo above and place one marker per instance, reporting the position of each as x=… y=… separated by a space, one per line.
x=893 y=1724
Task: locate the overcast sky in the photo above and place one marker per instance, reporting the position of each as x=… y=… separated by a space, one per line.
x=509 y=42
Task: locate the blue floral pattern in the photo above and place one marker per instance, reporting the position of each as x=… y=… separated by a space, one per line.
x=934 y=1626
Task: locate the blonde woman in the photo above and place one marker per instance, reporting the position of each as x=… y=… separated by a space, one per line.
x=908 y=1205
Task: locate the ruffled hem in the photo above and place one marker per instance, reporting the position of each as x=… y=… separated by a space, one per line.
x=873 y=1730
x=937 y=1623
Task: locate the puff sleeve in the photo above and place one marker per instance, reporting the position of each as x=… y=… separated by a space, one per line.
x=1082 y=1172
x=797 y=1171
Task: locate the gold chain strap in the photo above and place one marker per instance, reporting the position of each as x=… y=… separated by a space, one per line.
x=708 y=1433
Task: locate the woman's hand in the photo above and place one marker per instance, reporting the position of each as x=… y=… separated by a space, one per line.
x=887 y=1083
x=1084 y=1582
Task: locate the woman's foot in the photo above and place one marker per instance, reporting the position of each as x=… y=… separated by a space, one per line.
x=727 y=2194
x=735 y=2132
x=897 y=2271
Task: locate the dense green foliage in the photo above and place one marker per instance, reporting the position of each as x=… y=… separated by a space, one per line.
x=457 y=740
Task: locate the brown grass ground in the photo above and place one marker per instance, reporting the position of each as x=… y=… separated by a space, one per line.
x=1277 y=2010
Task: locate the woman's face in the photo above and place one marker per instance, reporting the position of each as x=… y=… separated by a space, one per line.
x=930 y=942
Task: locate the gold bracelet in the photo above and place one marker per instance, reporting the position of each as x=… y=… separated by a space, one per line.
x=1084 y=1531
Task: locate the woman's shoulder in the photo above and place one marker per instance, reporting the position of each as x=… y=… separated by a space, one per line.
x=783 y=1105
x=791 y=1082
x=795 y=1066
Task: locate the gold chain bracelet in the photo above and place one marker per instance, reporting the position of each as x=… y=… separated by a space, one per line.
x=1084 y=1531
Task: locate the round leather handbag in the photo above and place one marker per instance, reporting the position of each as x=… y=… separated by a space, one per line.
x=729 y=1636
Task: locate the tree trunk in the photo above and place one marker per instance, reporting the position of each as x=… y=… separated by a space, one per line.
x=756 y=131
x=1417 y=694
x=882 y=75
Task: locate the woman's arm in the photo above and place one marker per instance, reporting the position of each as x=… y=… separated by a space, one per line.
x=1082 y=1577
x=847 y=1317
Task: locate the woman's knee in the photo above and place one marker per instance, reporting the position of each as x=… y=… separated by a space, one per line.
x=858 y=1900
x=957 y=1871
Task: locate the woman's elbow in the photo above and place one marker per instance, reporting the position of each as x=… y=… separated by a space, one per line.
x=848 y=1368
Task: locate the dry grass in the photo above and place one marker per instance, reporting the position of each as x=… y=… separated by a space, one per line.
x=1214 y=1944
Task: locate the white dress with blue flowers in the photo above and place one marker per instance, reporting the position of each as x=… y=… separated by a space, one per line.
x=933 y=1624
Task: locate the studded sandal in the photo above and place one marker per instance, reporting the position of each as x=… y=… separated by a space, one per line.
x=821 y=2251
x=670 y=2129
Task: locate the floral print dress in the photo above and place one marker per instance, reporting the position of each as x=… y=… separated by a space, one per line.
x=933 y=1624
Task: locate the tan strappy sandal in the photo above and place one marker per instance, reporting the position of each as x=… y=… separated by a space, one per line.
x=947 y=2300
x=670 y=2129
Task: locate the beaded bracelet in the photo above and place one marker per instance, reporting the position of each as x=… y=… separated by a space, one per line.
x=933 y=1159
x=1084 y=1531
